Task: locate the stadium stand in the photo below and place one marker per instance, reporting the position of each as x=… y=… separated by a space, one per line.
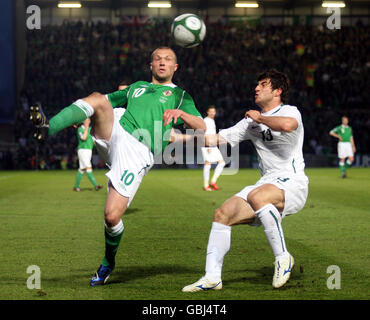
x=329 y=74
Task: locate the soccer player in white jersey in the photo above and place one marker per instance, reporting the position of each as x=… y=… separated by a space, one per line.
x=211 y=154
x=277 y=134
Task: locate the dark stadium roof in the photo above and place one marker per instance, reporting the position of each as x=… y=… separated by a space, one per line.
x=200 y=4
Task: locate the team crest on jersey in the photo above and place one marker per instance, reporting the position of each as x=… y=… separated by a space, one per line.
x=167 y=93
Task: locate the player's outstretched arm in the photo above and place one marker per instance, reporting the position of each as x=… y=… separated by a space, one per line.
x=285 y=124
x=212 y=140
x=193 y=122
x=177 y=136
x=209 y=140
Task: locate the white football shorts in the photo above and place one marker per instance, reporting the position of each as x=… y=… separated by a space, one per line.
x=211 y=154
x=345 y=150
x=128 y=159
x=295 y=190
x=84 y=158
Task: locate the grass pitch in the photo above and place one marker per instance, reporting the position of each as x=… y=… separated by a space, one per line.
x=44 y=223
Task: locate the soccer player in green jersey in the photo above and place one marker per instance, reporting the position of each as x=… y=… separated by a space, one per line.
x=346 y=145
x=84 y=153
x=128 y=143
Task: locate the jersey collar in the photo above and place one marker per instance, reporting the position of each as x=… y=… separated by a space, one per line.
x=272 y=111
x=172 y=85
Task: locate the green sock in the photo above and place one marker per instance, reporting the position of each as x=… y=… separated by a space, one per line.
x=92 y=178
x=347 y=165
x=112 y=241
x=342 y=169
x=78 y=178
x=67 y=117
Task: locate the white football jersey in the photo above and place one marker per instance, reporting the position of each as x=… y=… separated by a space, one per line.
x=211 y=125
x=277 y=151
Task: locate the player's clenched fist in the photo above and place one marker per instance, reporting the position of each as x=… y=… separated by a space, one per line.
x=254 y=115
x=170 y=114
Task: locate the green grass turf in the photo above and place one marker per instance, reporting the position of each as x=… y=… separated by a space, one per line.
x=163 y=248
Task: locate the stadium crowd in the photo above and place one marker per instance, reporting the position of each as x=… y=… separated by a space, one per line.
x=329 y=72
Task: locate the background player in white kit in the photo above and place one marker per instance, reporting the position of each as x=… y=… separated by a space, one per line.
x=211 y=154
x=277 y=134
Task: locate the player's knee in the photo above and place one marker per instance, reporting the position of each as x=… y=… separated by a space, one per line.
x=220 y=216
x=112 y=216
x=98 y=101
x=95 y=95
x=111 y=220
x=255 y=199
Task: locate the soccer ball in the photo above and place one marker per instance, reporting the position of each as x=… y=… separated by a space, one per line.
x=188 y=30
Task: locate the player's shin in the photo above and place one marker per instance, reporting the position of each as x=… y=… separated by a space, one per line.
x=342 y=167
x=77 y=112
x=348 y=163
x=271 y=220
x=91 y=177
x=206 y=170
x=78 y=178
x=218 y=171
x=218 y=245
x=113 y=237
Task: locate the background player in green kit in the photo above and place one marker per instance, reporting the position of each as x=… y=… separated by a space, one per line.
x=127 y=143
x=346 y=145
x=84 y=152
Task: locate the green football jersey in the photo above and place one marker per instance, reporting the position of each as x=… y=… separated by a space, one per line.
x=145 y=104
x=345 y=132
x=88 y=143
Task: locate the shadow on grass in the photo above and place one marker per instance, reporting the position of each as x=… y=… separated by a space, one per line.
x=122 y=274
x=131 y=210
x=125 y=274
x=264 y=276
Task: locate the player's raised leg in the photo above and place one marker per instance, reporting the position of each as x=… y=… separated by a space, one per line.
x=115 y=207
x=95 y=105
x=233 y=212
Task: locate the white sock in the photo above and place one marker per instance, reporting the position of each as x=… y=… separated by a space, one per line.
x=115 y=230
x=85 y=107
x=349 y=162
x=218 y=245
x=341 y=163
x=271 y=220
x=206 y=170
x=218 y=170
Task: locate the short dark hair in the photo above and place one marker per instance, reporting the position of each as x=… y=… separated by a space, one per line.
x=211 y=107
x=279 y=80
